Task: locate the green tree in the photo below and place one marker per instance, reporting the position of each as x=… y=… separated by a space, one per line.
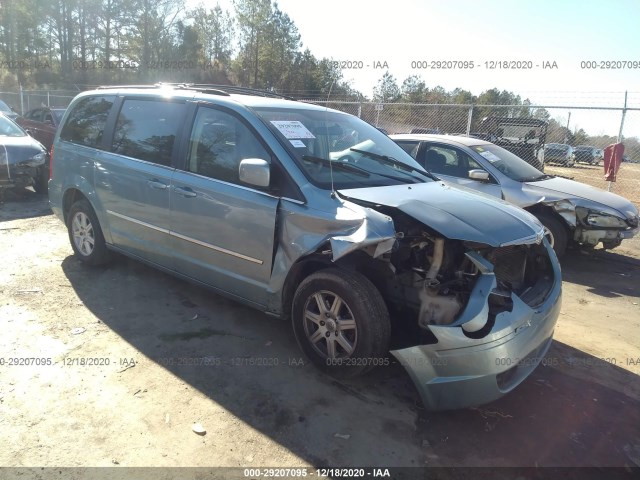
x=387 y=89
x=215 y=29
x=251 y=18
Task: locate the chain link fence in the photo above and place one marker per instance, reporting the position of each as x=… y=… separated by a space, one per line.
x=574 y=125
x=25 y=100
x=597 y=126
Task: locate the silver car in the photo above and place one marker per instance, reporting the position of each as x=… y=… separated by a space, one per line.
x=315 y=216
x=571 y=211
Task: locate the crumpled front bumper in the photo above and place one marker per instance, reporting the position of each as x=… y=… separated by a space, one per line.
x=12 y=176
x=459 y=371
x=593 y=237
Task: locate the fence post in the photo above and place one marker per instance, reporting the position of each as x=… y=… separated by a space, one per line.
x=48 y=102
x=469 y=120
x=21 y=101
x=624 y=113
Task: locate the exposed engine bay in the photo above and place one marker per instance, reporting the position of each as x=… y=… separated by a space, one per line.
x=454 y=282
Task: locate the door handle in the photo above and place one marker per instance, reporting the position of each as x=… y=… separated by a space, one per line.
x=185 y=192
x=157 y=184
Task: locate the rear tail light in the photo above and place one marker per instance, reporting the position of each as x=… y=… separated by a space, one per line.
x=51 y=163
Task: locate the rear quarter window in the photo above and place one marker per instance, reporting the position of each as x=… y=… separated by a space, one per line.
x=85 y=123
x=147 y=129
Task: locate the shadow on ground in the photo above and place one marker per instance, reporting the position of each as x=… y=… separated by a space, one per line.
x=563 y=415
x=608 y=273
x=23 y=203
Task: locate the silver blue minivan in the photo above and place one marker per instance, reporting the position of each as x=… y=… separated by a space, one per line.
x=315 y=216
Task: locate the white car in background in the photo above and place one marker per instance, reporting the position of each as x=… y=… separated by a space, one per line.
x=571 y=211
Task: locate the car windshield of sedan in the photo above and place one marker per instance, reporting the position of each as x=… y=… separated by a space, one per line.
x=509 y=164
x=340 y=150
x=10 y=129
x=57 y=114
x=4 y=107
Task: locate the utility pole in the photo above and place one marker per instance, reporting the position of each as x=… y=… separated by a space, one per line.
x=566 y=135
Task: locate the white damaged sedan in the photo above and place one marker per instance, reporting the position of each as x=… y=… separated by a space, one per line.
x=570 y=211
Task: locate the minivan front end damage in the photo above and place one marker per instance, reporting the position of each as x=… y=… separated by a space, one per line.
x=497 y=338
x=477 y=317
x=471 y=319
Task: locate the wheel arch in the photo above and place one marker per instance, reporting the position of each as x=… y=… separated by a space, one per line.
x=316 y=261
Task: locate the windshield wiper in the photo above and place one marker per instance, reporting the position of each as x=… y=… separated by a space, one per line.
x=359 y=170
x=544 y=176
x=339 y=165
x=395 y=163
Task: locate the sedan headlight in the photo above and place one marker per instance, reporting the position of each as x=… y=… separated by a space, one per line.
x=35 y=161
x=606 y=221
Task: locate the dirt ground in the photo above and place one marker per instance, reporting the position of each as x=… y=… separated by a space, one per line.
x=123 y=360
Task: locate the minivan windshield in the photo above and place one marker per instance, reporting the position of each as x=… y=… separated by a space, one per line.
x=330 y=144
x=509 y=164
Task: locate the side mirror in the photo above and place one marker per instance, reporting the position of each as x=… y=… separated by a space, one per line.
x=255 y=171
x=478 y=174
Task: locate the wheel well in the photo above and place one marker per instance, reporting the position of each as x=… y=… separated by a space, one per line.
x=356 y=262
x=298 y=272
x=536 y=209
x=71 y=196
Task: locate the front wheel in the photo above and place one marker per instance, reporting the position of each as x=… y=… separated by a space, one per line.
x=341 y=322
x=556 y=231
x=85 y=234
x=41 y=182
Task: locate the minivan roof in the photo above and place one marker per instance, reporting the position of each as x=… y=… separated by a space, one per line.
x=218 y=93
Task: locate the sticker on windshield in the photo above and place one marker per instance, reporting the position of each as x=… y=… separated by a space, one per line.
x=292 y=129
x=298 y=143
x=492 y=157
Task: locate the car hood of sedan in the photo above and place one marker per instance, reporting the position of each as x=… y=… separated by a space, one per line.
x=456 y=213
x=564 y=189
x=18 y=149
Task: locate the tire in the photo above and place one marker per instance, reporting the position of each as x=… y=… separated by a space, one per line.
x=557 y=231
x=344 y=306
x=85 y=234
x=41 y=184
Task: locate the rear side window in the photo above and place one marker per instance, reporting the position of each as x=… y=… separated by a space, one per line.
x=85 y=123
x=147 y=130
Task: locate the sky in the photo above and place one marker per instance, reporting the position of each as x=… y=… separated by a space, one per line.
x=407 y=33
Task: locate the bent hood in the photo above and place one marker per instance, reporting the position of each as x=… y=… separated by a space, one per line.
x=457 y=213
x=563 y=188
x=14 y=150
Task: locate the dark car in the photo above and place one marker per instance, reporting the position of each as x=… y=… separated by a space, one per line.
x=42 y=123
x=559 y=153
x=7 y=110
x=587 y=154
x=23 y=160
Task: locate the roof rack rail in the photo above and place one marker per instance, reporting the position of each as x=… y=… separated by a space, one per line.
x=206 y=88
x=103 y=87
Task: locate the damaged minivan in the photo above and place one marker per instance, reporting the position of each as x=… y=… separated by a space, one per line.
x=315 y=216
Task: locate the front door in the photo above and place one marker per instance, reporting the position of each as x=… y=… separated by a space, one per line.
x=453 y=165
x=223 y=231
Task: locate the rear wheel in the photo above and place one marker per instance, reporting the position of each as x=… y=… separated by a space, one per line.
x=85 y=234
x=341 y=322
x=556 y=232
